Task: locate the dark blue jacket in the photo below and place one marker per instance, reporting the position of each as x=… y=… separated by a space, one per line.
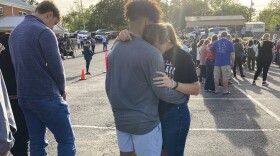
x=87 y=53
x=36 y=59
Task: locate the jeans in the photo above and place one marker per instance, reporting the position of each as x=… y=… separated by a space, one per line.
x=175 y=127
x=20 y=147
x=87 y=65
x=209 y=82
x=51 y=113
x=93 y=48
x=104 y=46
x=251 y=62
x=238 y=62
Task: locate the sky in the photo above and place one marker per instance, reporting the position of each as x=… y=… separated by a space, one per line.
x=65 y=5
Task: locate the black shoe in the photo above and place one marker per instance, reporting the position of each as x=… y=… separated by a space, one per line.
x=230 y=82
x=243 y=76
x=88 y=73
x=253 y=83
x=265 y=84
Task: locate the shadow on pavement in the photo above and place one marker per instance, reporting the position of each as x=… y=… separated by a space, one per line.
x=236 y=114
x=88 y=77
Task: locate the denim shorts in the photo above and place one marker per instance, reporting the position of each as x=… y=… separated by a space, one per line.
x=149 y=144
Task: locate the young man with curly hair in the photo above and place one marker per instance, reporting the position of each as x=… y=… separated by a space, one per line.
x=130 y=87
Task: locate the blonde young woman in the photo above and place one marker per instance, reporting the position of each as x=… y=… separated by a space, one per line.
x=179 y=68
x=264 y=58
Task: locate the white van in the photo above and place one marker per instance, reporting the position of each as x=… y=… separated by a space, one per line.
x=255 y=26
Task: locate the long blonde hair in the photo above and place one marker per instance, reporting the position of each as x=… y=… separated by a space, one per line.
x=265 y=37
x=156 y=32
x=172 y=35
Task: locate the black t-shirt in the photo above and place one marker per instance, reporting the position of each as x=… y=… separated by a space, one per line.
x=180 y=67
x=265 y=52
x=7 y=67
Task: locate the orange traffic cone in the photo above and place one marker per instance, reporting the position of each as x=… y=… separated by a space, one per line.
x=83 y=77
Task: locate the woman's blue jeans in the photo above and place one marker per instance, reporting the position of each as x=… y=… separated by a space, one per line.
x=51 y=113
x=175 y=127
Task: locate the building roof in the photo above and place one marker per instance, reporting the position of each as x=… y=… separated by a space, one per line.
x=192 y=21
x=8 y=23
x=213 y=18
x=254 y=23
x=18 y=4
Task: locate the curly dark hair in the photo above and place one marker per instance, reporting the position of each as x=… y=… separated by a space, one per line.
x=135 y=9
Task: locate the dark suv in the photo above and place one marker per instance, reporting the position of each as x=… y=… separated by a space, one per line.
x=112 y=34
x=100 y=31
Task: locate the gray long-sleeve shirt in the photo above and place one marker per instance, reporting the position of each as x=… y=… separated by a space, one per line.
x=130 y=89
x=36 y=59
x=7 y=121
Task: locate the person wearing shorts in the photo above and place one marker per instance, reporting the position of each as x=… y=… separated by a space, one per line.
x=224 y=58
x=130 y=87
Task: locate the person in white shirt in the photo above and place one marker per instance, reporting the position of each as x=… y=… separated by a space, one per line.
x=78 y=42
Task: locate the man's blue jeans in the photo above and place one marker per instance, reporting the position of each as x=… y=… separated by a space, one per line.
x=175 y=127
x=51 y=113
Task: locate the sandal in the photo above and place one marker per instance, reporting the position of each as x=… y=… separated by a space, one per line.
x=227 y=92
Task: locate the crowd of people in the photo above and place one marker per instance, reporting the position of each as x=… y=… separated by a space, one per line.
x=150 y=79
x=251 y=54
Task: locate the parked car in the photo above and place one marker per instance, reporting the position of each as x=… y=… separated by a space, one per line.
x=221 y=29
x=98 y=38
x=192 y=34
x=112 y=34
x=83 y=34
x=211 y=32
x=100 y=31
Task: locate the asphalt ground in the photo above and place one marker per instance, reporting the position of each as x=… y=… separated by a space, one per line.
x=244 y=123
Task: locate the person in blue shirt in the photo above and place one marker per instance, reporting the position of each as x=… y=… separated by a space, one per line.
x=104 y=42
x=224 y=58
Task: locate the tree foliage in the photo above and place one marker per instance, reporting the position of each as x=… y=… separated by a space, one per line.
x=273 y=20
x=108 y=14
x=31 y=2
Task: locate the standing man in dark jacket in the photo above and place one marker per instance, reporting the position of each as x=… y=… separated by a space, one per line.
x=41 y=80
x=239 y=54
x=20 y=147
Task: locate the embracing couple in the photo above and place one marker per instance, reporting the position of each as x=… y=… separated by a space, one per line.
x=148 y=84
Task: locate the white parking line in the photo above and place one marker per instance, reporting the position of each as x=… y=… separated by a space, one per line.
x=234 y=99
x=268 y=111
x=201 y=98
x=192 y=129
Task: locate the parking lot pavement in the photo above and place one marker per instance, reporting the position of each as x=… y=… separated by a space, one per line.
x=245 y=122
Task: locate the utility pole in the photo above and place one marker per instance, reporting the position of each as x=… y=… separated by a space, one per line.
x=167 y=8
x=205 y=8
x=82 y=9
x=251 y=8
x=83 y=15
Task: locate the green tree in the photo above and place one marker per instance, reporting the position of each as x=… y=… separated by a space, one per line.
x=273 y=20
x=235 y=9
x=31 y=2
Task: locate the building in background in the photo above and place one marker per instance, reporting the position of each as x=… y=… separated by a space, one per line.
x=15 y=8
